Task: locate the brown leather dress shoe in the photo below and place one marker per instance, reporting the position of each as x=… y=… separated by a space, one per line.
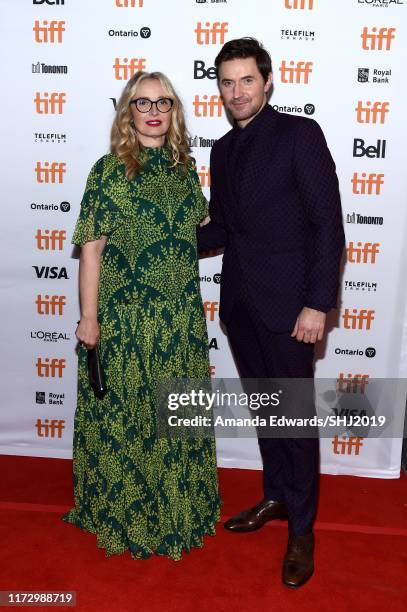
x=254 y=518
x=298 y=564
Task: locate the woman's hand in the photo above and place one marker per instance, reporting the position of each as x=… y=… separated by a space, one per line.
x=205 y=221
x=88 y=332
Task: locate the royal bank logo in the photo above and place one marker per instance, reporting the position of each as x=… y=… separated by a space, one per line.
x=56 y=399
x=302 y=35
x=307 y=109
x=41 y=68
x=362 y=286
x=363 y=219
x=50 y=138
x=379 y=76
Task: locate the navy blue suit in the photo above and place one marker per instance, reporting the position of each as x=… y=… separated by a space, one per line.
x=275 y=207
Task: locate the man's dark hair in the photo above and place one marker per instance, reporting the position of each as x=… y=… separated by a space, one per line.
x=241 y=48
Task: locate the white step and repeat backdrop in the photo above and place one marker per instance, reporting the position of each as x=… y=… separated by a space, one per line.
x=66 y=61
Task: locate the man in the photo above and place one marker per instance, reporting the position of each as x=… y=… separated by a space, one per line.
x=275 y=207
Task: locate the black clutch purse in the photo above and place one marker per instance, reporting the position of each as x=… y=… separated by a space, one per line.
x=96 y=375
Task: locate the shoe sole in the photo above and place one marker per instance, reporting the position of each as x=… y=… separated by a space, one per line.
x=254 y=528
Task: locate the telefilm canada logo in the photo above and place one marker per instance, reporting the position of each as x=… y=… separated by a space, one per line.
x=302 y=35
x=364 y=286
x=50 y=138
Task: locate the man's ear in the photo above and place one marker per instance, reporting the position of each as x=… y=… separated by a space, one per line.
x=268 y=82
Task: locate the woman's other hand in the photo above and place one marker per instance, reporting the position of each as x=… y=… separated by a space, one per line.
x=88 y=332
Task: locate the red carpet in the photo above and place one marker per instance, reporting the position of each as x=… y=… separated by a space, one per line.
x=361 y=550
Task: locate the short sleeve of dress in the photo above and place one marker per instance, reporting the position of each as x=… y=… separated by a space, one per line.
x=97 y=216
x=200 y=200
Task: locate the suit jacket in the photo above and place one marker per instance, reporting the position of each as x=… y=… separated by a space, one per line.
x=275 y=207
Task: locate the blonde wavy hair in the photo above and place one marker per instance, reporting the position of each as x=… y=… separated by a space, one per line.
x=124 y=141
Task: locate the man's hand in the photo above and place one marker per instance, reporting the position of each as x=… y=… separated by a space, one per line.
x=309 y=326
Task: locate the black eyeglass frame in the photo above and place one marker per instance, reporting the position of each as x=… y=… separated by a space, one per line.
x=151 y=104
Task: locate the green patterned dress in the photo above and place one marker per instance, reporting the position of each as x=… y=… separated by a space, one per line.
x=133 y=488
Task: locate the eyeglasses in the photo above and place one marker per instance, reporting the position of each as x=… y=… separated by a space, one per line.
x=144 y=105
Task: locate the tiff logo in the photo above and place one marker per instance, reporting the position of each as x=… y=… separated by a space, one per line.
x=374 y=41
x=50 y=240
x=371 y=114
x=50 y=173
x=130 y=3
x=125 y=69
x=46 y=429
x=358 y=320
x=364 y=186
x=47 y=104
x=205 y=108
x=50 y=368
x=205 y=176
x=50 y=305
x=210 y=308
x=211 y=34
x=347 y=446
x=362 y=254
x=48 y=33
x=296 y=72
x=299 y=4
x=352 y=383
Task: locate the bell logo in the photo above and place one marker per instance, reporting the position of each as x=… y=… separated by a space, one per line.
x=375 y=41
x=211 y=34
x=50 y=368
x=358 y=320
x=299 y=4
x=48 y=32
x=352 y=383
x=296 y=72
x=210 y=308
x=364 y=186
x=205 y=176
x=46 y=104
x=47 y=173
x=130 y=3
x=362 y=254
x=207 y=108
x=50 y=305
x=347 y=446
x=50 y=240
x=371 y=114
x=125 y=69
x=46 y=429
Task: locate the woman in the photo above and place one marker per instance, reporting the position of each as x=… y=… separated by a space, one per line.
x=140 y=301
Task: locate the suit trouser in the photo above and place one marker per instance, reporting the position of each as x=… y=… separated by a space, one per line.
x=290 y=465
